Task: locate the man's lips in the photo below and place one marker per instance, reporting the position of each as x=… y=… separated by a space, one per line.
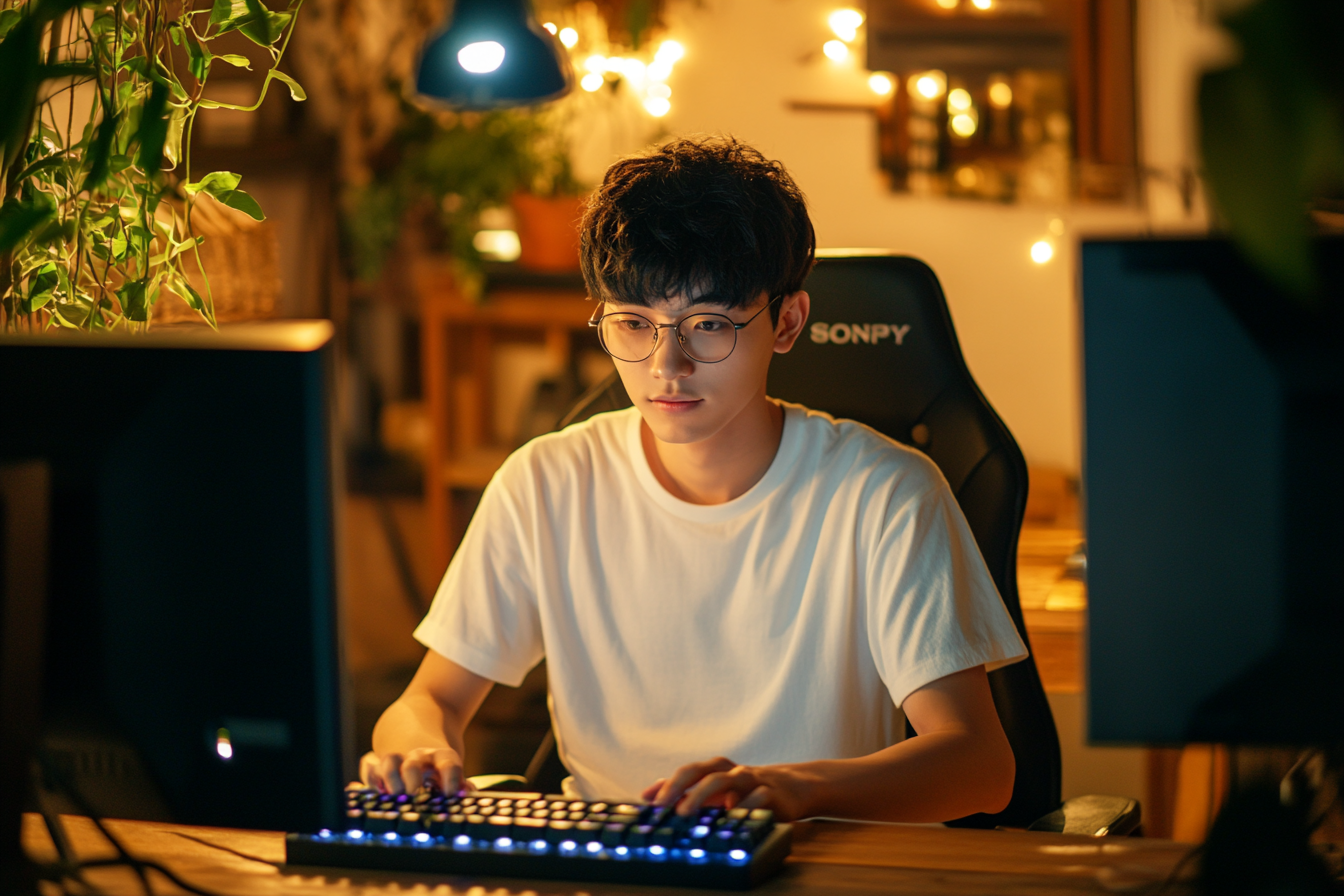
x=675 y=402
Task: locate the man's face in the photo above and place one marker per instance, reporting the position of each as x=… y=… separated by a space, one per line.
x=685 y=401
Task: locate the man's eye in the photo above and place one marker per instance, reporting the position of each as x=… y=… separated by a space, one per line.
x=709 y=325
x=631 y=323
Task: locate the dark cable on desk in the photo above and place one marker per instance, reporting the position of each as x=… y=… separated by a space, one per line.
x=70 y=866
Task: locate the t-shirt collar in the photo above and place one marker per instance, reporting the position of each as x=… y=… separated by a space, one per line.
x=789 y=446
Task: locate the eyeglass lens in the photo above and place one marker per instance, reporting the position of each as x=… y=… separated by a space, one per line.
x=704 y=337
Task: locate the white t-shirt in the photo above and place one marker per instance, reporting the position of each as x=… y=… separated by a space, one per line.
x=785 y=625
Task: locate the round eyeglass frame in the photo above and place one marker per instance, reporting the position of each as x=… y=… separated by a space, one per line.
x=676 y=328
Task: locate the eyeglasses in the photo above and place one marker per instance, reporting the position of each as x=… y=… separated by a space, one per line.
x=705 y=337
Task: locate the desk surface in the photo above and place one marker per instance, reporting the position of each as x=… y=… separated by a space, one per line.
x=828 y=858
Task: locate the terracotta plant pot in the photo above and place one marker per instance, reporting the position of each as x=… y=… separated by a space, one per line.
x=548 y=231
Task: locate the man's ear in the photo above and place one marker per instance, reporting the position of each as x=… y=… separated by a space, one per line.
x=792 y=318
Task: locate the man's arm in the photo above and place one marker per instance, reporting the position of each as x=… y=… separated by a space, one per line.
x=420 y=735
x=961 y=763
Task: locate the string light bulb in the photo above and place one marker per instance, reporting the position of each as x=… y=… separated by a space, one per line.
x=982 y=4
x=928 y=85
x=835 y=50
x=845 y=23
x=569 y=37
x=958 y=100
x=1000 y=95
x=881 y=84
x=592 y=81
x=1042 y=251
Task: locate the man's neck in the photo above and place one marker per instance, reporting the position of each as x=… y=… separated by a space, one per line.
x=726 y=465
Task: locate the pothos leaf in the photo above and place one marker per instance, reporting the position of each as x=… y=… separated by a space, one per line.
x=296 y=91
x=19 y=218
x=19 y=63
x=136 y=300
x=235 y=60
x=101 y=151
x=198 y=57
x=223 y=185
x=153 y=132
x=8 y=19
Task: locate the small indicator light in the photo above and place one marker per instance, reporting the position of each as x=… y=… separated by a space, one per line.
x=324 y=834
x=462 y=840
x=622 y=851
x=737 y=855
x=657 y=851
x=697 y=854
x=539 y=846
x=391 y=836
x=355 y=834
x=568 y=846
x=594 y=847
x=504 y=843
x=422 y=837
x=700 y=830
x=223 y=744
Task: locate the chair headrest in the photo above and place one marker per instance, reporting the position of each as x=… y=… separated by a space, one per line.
x=879 y=346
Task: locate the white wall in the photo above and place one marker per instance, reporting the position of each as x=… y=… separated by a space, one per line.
x=746 y=59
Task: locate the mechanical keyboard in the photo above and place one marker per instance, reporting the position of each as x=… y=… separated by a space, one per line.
x=551 y=837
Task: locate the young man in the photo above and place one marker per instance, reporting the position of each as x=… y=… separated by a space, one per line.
x=733 y=594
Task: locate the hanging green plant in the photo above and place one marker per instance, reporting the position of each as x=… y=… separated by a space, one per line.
x=95 y=217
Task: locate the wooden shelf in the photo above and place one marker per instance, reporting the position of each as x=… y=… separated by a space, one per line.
x=458 y=338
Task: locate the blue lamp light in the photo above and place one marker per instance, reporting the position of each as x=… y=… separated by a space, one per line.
x=493 y=54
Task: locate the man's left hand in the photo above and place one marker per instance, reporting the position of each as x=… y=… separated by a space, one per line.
x=722 y=782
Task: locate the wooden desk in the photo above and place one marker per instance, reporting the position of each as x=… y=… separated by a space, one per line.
x=828 y=858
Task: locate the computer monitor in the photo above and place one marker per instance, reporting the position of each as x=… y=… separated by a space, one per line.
x=192 y=661
x=1214 y=497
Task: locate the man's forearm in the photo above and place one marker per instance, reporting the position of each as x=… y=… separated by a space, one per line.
x=933 y=777
x=417 y=720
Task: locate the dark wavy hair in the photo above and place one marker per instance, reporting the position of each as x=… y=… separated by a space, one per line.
x=708 y=218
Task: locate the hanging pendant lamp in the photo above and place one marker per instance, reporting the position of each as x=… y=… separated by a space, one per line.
x=493 y=54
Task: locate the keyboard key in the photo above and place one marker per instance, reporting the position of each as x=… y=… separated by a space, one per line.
x=613 y=833
x=663 y=837
x=762 y=815
x=559 y=831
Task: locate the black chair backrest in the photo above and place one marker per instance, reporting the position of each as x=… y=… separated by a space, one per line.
x=880 y=348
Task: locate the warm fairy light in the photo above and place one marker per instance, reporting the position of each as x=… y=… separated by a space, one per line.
x=967 y=177
x=948 y=4
x=634 y=70
x=497 y=245
x=482 y=57
x=1057 y=226
x=1000 y=95
x=592 y=81
x=845 y=23
x=963 y=125
x=881 y=84
x=1042 y=251
x=595 y=63
x=669 y=51
x=657 y=106
x=959 y=100
x=928 y=85
x=615 y=64
x=835 y=50
x=660 y=91
x=658 y=70
x=569 y=37
x=982 y=4
x=550 y=26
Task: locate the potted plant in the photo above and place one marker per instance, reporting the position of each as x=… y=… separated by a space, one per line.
x=96 y=186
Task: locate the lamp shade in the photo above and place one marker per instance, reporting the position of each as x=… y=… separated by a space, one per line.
x=493 y=54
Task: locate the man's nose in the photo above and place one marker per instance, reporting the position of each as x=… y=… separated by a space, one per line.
x=669 y=361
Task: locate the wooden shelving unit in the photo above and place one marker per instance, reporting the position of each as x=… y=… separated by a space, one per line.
x=457 y=344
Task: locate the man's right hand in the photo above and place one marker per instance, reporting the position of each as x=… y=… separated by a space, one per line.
x=404 y=773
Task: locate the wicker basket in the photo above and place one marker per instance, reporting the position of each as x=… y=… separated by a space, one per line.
x=240 y=256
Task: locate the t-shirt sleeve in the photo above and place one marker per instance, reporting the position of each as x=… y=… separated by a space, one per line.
x=932 y=606
x=484 y=615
